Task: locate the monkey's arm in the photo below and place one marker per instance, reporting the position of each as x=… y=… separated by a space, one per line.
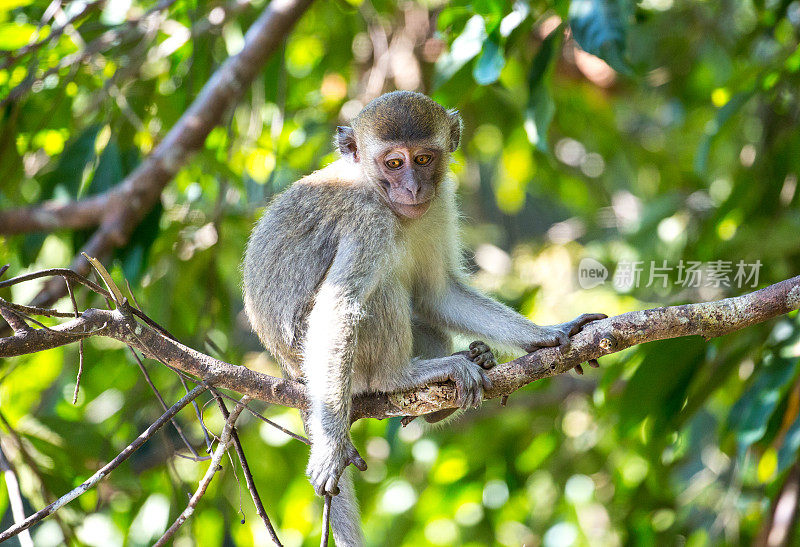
x=463 y=309
x=328 y=363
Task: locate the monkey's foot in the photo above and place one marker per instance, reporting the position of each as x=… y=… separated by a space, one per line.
x=481 y=354
x=327 y=462
x=470 y=379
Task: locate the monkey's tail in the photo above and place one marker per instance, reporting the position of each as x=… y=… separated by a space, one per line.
x=345 y=518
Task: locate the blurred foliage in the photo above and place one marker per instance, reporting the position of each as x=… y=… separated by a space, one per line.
x=663 y=132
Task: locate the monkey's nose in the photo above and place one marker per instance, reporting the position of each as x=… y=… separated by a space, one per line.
x=413 y=189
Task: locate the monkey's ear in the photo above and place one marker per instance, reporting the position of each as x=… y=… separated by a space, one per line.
x=346 y=142
x=455 y=129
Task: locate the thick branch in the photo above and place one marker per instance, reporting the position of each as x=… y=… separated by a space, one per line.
x=55 y=215
x=709 y=319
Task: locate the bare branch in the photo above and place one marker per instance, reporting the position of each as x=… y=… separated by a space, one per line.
x=80 y=344
x=248 y=476
x=225 y=439
x=54 y=272
x=76 y=215
x=106 y=469
x=326 y=520
x=16 y=322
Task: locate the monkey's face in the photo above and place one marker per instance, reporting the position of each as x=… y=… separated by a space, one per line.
x=408 y=177
x=403 y=141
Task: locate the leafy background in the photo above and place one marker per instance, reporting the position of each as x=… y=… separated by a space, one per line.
x=661 y=130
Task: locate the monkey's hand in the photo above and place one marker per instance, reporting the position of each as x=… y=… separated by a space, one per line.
x=328 y=460
x=558 y=335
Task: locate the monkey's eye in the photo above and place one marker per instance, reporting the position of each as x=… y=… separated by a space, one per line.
x=394 y=163
x=423 y=159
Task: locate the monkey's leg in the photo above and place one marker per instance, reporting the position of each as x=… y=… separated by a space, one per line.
x=469 y=377
x=430 y=341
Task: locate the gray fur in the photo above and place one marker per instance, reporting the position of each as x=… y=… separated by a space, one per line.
x=353 y=299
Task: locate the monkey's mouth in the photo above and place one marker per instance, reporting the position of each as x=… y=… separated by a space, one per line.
x=408 y=210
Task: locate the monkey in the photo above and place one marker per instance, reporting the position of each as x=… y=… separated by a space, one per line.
x=353 y=279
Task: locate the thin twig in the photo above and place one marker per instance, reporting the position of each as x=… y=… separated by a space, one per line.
x=224 y=441
x=33 y=467
x=80 y=344
x=248 y=476
x=163 y=404
x=326 y=520
x=181 y=374
x=266 y=420
x=106 y=469
x=196 y=411
x=47 y=312
x=53 y=272
x=20 y=312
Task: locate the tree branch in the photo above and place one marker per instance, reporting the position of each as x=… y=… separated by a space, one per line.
x=709 y=319
x=120 y=210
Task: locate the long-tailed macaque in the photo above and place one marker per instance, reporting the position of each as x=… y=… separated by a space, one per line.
x=353 y=280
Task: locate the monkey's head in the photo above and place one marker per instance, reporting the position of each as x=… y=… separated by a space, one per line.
x=403 y=141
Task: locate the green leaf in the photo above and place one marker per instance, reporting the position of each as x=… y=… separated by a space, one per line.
x=541 y=107
x=464 y=48
x=68 y=173
x=787 y=454
x=538 y=116
x=492 y=12
x=658 y=387
x=600 y=29
x=109 y=171
x=14 y=35
x=490 y=63
x=715 y=126
x=751 y=413
x=8 y=5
